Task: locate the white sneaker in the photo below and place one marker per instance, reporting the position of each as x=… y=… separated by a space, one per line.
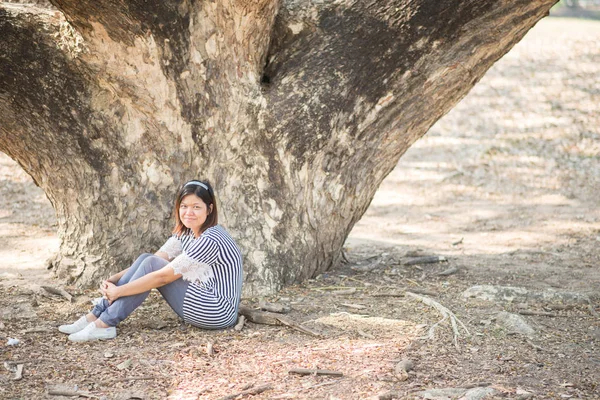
x=92 y=332
x=75 y=326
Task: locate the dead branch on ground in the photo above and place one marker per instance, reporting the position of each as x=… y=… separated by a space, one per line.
x=535 y=346
x=541 y=313
x=290 y=393
x=253 y=391
x=425 y=292
x=448 y=272
x=354 y=306
x=304 y=371
x=390 y=395
x=276 y=308
x=71 y=393
x=425 y=260
x=337 y=288
x=269 y=318
x=131 y=378
x=58 y=291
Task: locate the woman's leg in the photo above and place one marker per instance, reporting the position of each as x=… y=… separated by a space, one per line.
x=102 y=303
x=122 y=307
x=174 y=294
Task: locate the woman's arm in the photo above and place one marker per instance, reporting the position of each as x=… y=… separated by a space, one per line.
x=153 y=280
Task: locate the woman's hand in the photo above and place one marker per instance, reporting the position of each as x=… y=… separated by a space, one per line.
x=109 y=291
x=115 y=277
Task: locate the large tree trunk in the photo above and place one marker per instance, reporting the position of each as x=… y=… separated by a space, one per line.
x=296 y=111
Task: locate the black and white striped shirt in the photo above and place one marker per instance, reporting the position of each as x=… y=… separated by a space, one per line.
x=213 y=265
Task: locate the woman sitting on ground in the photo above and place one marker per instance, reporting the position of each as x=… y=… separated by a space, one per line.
x=198 y=271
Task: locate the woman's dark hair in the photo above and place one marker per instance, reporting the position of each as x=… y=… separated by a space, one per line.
x=204 y=190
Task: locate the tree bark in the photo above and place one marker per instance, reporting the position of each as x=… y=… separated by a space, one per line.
x=295 y=111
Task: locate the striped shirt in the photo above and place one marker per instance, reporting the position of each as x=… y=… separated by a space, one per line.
x=213 y=265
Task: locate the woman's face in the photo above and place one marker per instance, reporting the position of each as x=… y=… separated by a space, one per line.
x=193 y=212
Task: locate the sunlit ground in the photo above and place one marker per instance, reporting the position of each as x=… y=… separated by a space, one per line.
x=513 y=170
x=516 y=165
x=27 y=225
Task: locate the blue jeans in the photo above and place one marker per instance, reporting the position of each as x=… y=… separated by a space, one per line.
x=174 y=292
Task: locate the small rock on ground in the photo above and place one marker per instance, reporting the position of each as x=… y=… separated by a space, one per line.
x=514 y=323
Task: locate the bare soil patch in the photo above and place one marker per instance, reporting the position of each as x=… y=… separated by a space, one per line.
x=505 y=188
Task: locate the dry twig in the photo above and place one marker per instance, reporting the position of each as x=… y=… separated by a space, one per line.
x=132 y=378
x=37 y=330
x=343 y=292
x=542 y=313
x=535 y=346
x=71 y=393
x=354 y=306
x=304 y=371
x=365 y=334
x=425 y=260
x=336 y=288
x=475 y=385
x=390 y=395
x=422 y=291
x=294 y=325
x=253 y=391
x=458 y=241
x=392 y=294
x=402 y=294
x=448 y=272
x=356 y=280
x=287 y=395
x=560 y=307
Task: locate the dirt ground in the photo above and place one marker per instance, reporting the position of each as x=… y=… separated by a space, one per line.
x=505 y=189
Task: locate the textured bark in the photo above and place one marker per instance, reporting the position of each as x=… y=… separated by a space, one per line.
x=296 y=111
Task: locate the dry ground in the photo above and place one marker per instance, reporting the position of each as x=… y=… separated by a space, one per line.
x=506 y=188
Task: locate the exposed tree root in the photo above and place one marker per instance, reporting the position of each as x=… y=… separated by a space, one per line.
x=446 y=314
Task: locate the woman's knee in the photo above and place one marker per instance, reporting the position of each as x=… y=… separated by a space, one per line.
x=142 y=257
x=153 y=263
